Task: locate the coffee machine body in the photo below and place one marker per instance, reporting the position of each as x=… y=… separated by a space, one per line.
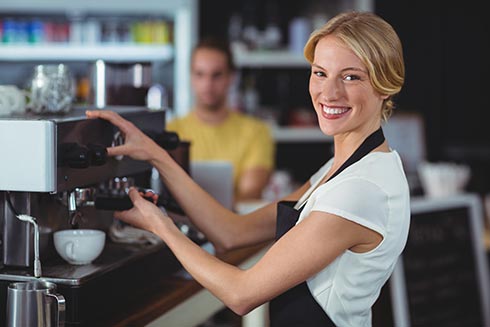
x=53 y=167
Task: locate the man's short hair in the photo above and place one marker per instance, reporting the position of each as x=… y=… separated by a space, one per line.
x=218 y=44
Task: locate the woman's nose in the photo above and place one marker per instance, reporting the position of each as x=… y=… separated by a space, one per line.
x=332 y=89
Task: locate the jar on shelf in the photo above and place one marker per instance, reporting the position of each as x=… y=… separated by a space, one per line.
x=51 y=89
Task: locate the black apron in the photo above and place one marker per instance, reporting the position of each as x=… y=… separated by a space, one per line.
x=297 y=306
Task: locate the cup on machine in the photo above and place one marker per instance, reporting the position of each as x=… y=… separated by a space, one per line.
x=79 y=246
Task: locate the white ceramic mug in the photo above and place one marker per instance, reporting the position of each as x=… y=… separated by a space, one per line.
x=79 y=246
x=12 y=100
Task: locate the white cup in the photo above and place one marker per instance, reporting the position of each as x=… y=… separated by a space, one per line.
x=443 y=178
x=79 y=246
x=12 y=100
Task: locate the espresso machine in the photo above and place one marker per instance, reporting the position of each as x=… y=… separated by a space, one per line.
x=56 y=169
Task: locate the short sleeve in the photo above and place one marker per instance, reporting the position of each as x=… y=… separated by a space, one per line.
x=356 y=199
x=261 y=148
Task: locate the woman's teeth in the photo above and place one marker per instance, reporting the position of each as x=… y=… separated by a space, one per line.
x=334 y=111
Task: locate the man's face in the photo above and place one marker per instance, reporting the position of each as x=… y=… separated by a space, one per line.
x=211 y=78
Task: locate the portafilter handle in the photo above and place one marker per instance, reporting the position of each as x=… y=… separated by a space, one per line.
x=123 y=202
x=119 y=202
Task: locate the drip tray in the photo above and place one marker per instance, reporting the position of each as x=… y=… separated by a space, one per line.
x=96 y=291
x=58 y=271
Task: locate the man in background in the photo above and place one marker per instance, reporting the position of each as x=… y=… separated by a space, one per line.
x=217 y=132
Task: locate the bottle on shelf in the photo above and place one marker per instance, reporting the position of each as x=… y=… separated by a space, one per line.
x=76 y=30
x=272 y=35
x=157 y=97
x=82 y=96
x=299 y=32
x=36 y=34
x=250 y=32
x=235 y=28
x=251 y=98
x=92 y=31
x=109 y=33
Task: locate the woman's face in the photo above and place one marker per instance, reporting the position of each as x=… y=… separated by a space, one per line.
x=341 y=91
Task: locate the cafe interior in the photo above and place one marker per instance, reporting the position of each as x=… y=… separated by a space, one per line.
x=58 y=59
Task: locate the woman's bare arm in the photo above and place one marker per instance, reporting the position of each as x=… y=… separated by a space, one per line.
x=222 y=227
x=302 y=252
x=225 y=229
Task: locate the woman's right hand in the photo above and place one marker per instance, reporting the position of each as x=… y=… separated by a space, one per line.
x=136 y=145
x=143 y=214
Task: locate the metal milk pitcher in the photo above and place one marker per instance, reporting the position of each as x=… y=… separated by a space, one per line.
x=35 y=304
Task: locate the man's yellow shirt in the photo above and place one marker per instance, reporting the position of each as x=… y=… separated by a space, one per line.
x=243 y=140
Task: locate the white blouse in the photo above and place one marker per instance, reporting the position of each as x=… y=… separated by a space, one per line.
x=372 y=192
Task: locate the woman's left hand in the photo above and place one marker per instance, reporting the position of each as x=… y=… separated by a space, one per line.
x=144 y=214
x=137 y=144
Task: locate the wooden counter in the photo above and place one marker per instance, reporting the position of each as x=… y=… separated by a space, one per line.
x=176 y=301
x=168 y=300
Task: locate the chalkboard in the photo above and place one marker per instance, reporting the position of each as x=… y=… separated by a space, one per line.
x=442 y=277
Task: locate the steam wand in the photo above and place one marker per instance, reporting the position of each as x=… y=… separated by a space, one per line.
x=37 y=261
x=31 y=220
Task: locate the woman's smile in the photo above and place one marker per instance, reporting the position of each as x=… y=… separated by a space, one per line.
x=334 y=112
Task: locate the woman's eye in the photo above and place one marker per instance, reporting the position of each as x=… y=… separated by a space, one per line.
x=319 y=73
x=351 y=78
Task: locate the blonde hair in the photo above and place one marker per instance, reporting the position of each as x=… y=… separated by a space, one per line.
x=376 y=43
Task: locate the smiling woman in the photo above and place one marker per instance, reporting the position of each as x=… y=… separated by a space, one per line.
x=338 y=236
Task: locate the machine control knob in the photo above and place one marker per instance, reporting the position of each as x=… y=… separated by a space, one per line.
x=74 y=155
x=167 y=140
x=98 y=154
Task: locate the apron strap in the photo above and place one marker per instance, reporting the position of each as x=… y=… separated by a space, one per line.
x=369 y=144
